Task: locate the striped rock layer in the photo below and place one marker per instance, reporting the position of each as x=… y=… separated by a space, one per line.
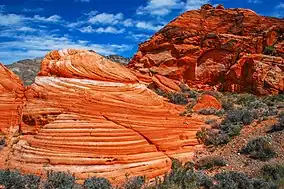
x=92 y=117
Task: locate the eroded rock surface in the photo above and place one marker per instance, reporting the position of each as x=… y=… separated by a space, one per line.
x=200 y=46
x=92 y=117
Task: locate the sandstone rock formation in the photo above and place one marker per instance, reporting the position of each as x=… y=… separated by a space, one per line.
x=199 y=48
x=206 y=102
x=28 y=69
x=92 y=117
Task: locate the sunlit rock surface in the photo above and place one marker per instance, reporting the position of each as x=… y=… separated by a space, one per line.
x=199 y=48
x=92 y=117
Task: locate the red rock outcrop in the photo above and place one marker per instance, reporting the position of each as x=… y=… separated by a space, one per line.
x=11 y=99
x=257 y=73
x=207 y=101
x=11 y=105
x=200 y=46
x=91 y=117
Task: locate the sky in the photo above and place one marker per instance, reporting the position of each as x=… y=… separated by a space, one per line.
x=31 y=28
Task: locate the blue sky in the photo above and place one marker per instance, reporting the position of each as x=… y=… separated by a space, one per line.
x=31 y=28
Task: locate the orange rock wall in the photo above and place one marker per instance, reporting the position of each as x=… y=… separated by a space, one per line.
x=92 y=117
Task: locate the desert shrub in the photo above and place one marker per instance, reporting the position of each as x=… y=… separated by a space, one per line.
x=262 y=184
x=232 y=180
x=279 y=126
x=14 y=180
x=59 y=180
x=191 y=93
x=134 y=183
x=97 y=183
x=207 y=111
x=231 y=129
x=180 y=177
x=259 y=148
x=212 y=122
x=203 y=180
x=160 y=92
x=274 y=100
x=212 y=137
x=239 y=116
x=269 y=50
x=2 y=141
x=177 y=98
x=209 y=162
x=31 y=181
x=273 y=172
x=227 y=104
x=11 y=179
x=211 y=111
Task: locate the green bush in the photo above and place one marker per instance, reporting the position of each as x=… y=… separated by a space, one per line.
x=262 y=184
x=279 y=126
x=14 y=180
x=211 y=111
x=269 y=50
x=273 y=172
x=177 y=98
x=134 y=183
x=209 y=162
x=259 y=148
x=180 y=177
x=59 y=180
x=232 y=180
x=97 y=183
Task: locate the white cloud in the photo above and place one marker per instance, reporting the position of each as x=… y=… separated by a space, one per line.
x=109 y=29
x=148 y=26
x=195 y=4
x=280 y=6
x=87 y=29
x=11 y=19
x=105 y=18
x=53 y=18
x=137 y=37
x=160 y=7
x=26 y=46
x=92 y=13
x=32 y=10
x=15 y=19
x=278 y=11
x=26 y=29
x=128 y=22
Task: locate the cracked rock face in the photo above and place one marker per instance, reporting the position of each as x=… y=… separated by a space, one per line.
x=92 y=117
x=200 y=48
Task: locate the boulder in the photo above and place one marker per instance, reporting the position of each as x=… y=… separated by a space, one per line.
x=207 y=101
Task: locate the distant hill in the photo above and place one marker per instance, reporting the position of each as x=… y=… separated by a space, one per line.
x=27 y=69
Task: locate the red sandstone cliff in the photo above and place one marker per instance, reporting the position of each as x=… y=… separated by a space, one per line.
x=218 y=47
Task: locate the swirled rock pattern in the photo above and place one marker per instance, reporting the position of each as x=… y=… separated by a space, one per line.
x=89 y=116
x=11 y=99
x=200 y=46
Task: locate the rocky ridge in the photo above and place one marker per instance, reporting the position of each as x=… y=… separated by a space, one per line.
x=217 y=48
